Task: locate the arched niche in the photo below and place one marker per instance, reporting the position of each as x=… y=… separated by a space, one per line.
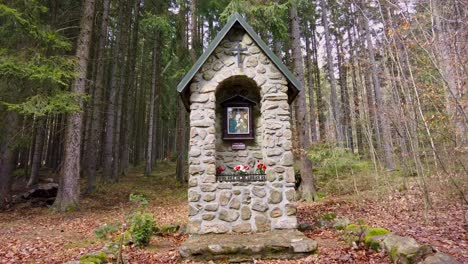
x=232 y=87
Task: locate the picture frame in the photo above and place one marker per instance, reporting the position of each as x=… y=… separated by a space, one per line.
x=238 y=119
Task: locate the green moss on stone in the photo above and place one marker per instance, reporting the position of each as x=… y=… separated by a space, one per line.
x=373 y=244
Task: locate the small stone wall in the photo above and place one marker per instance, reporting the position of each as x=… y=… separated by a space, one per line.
x=216 y=207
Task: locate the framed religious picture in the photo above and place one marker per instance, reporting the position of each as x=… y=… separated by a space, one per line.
x=238 y=121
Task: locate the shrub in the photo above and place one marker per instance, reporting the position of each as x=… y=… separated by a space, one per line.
x=142 y=228
x=106 y=231
x=330 y=160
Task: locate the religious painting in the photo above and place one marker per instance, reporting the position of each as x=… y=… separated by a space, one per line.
x=238 y=120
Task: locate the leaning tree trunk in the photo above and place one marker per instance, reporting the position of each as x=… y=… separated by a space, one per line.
x=69 y=187
x=307 y=187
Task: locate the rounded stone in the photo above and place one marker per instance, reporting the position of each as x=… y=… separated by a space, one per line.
x=208 y=75
x=246 y=197
x=290 y=209
x=234 y=204
x=193 y=196
x=242 y=228
x=215 y=227
x=291 y=195
x=208 y=187
x=228 y=215
x=259 y=191
x=262 y=223
x=193 y=210
x=246 y=213
x=194 y=152
x=212 y=207
x=193 y=182
x=259 y=206
x=209 y=197
x=194 y=226
x=208 y=217
x=275 y=197
x=251 y=62
x=276 y=212
x=287 y=159
x=225 y=197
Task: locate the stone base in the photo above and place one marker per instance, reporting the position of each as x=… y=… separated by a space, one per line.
x=277 y=244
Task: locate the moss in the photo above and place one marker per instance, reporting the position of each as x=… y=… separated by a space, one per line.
x=356 y=229
x=328 y=216
x=393 y=254
x=378 y=231
x=98 y=258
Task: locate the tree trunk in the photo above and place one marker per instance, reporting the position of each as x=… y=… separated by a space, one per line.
x=149 y=142
x=447 y=31
x=132 y=56
x=96 y=124
x=38 y=148
x=69 y=187
x=311 y=85
x=7 y=158
x=318 y=93
x=346 y=121
x=357 y=113
x=108 y=153
x=380 y=107
x=307 y=187
x=331 y=75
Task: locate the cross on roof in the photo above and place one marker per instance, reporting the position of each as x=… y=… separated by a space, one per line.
x=239 y=51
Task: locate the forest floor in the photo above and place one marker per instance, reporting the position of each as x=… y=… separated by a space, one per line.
x=38 y=235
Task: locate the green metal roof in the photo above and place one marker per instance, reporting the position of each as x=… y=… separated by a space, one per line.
x=237 y=18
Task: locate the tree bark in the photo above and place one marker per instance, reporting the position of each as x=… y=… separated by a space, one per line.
x=331 y=75
x=96 y=124
x=132 y=56
x=108 y=153
x=380 y=107
x=69 y=187
x=307 y=187
x=149 y=142
x=311 y=85
x=7 y=158
x=38 y=148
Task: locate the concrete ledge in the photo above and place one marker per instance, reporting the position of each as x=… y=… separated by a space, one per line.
x=277 y=244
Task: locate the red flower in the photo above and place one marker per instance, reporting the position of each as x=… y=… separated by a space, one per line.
x=219 y=169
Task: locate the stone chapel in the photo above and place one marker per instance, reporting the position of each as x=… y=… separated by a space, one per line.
x=239 y=96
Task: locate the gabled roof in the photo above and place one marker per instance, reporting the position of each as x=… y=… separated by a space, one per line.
x=294 y=84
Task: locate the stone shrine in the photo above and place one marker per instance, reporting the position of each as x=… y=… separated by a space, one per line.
x=239 y=95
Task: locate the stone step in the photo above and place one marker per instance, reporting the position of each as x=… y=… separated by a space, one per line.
x=277 y=244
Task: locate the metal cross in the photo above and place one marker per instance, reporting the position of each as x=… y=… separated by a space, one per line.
x=239 y=51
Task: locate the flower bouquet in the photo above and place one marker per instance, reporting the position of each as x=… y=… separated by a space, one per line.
x=241 y=169
x=261 y=167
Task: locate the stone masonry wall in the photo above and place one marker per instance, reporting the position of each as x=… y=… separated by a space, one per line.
x=216 y=207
